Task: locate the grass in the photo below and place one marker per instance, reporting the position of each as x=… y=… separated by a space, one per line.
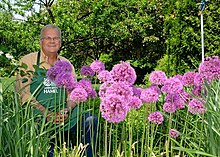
x=134 y=137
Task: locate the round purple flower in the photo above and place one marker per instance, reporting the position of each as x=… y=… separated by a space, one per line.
x=210 y=68
x=188 y=78
x=174 y=101
x=198 y=79
x=169 y=107
x=156 y=117
x=123 y=72
x=104 y=76
x=196 y=106
x=149 y=95
x=103 y=88
x=120 y=88
x=87 y=85
x=78 y=95
x=64 y=66
x=158 y=77
x=97 y=66
x=64 y=79
x=172 y=86
x=135 y=102
x=184 y=96
x=178 y=76
x=86 y=70
x=52 y=73
x=113 y=108
x=59 y=67
x=137 y=91
x=174 y=133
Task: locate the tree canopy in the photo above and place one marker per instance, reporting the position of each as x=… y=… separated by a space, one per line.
x=139 y=31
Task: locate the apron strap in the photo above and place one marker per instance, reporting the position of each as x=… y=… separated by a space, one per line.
x=38 y=58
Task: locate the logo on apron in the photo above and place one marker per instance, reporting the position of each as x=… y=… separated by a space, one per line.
x=49 y=87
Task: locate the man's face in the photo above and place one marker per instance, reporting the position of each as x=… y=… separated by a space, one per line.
x=50 y=41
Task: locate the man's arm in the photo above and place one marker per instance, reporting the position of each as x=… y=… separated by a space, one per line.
x=23 y=81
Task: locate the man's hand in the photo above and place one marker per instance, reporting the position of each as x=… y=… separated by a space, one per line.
x=59 y=117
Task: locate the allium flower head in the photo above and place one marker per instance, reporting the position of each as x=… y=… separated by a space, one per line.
x=87 y=85
x=169 y=107
x=64 y=79
x=198 y=80
x=103 y=88
x=137 y=91
x=123 y=72
x=65 y=66
x=210 y=68
x=120 y=88
x=59 y=67
x=196 y=106
x=149 y=95
x=135 y=102
x=188 y=78
x=156 y=117
x=52 y=73
x=184 y=96
x=113 y=108
x=174 y=133
x=173 y=102
x=97 y=66
x=78 y=95
x=158 y=77
x=86 y=70
x=172 y=86
x=105 y=76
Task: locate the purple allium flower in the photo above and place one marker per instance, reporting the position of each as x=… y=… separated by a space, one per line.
x=59 y=67
x=169 y=107
x=198 y=80
x=104 y=76
x=137 y=91
x=53 y=72
x=86 y=70
x=184 y=96
x=158 y=77
x=197 y=90
x=156 y=117
x=196 y=106
x=64 y=79
x=78 y=95
x=178 y=76
x=103 y=88
x=87 y=85
x=120 y=88
x=149 y=95
x=97 y=66
x=174 y=133
x=172 y=85
x=188 y=78
x=113 y=108
x=123 y=72
x=155 y=88
x=64 y=66
x=135 y=102
x=175 y=102
x=210 y=68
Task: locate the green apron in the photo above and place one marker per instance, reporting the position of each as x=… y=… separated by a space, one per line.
x=50 y=96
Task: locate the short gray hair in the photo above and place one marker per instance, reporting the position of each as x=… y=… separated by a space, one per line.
x=48 y=27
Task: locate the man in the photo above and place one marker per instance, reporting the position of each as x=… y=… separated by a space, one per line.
x=52 y=102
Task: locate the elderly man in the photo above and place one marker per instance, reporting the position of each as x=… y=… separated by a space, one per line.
x=46 y=98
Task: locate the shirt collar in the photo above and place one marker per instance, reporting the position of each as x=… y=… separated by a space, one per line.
x=44 y=58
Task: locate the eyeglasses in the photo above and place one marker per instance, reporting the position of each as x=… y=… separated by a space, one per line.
x=50 y=38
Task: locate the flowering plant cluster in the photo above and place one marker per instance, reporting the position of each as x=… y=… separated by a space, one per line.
x=62 y=75
x=119 y=95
